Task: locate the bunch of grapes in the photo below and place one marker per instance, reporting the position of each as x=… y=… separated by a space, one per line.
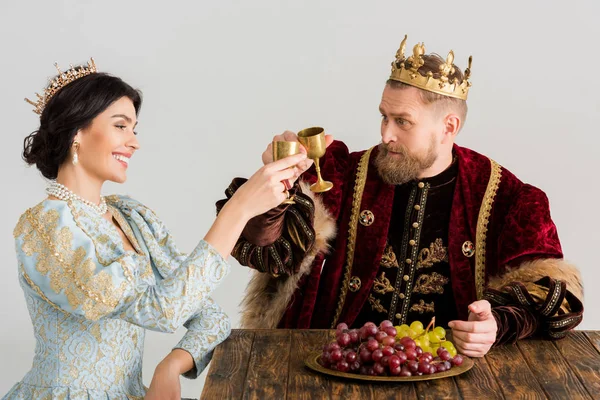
x=390 y=350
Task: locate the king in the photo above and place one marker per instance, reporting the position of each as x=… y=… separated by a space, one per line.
x=414 y=227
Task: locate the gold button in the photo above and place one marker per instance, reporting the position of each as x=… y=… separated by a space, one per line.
x=417 y=207
x=416 y=225
x=402 y=295
x=421 y=185
x=412 y=242
x=408 y=261
x=405 y=277
x=398 y=316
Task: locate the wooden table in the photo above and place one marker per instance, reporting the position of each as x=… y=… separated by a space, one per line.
x=269 y=364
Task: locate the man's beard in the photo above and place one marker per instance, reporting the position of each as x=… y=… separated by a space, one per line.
x=404 y=166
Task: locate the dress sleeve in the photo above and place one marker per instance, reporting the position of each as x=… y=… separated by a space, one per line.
x=59 y=264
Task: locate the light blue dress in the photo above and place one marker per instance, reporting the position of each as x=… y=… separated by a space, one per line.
x=90 y=300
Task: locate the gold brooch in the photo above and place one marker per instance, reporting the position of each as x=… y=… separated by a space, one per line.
x=354 y=284
x=468 y=249
x=366 y=218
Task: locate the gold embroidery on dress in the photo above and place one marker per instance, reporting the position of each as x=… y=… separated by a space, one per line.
x=433 y=283
x=423 y=307
x=434 y=254
x=389 y=260
x=376 y=304
x=69 y=270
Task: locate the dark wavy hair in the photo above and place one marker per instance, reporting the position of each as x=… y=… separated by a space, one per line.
x=71 y=109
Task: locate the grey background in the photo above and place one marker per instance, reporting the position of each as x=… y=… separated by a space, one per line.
x=221 y=78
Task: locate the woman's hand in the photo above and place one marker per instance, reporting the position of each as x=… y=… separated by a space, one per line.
x=265 y=189
x=288 y=136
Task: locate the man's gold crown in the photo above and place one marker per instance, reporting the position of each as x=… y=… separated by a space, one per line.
x=62 y=80
x=442 y=85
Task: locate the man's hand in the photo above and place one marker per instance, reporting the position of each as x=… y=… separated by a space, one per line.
x=475 y=337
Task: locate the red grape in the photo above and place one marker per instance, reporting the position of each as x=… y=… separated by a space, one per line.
x=402 y=356
x=408 y=343
x=343 y=366
x=445 y=356
x=447 y=364
x=354 y=336
x=365 y=356
x=385 y=324
x=377 y=355
x=398 y=347
x=419 y=351
x=371 y=372
x=362 y=332
x=385 y=360
x=439 y=350
x=351 y=357
x=424 y=367
x=395 y=371
x=428 y=357
x=334 y=346
x=380 y=336
x=355 y=366
x=372 y=345
x=378 y=368
x=388 y=341
x=391 y=331
x=343 y=340
x=336 y=355
x=387 y=351
x=341 y=327
x=405 y=371
x=432 y=369
x=412 y=365
x=394 y=362
x=371 y=330
x=457 y=360
x=411 y=354
x=440 y=367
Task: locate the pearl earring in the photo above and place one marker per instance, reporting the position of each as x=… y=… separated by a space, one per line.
x=75 y=156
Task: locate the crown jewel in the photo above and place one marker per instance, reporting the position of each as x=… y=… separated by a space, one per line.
x=61 y=80
x=442 y=85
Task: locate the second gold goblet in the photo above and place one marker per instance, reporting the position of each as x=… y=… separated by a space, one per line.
x=313 y=139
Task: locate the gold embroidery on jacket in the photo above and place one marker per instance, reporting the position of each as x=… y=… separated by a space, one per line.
x=434 y=254
x=389 y=260
x=427 y=284
x=423 y=307
x=382 y=285
x=376 y=304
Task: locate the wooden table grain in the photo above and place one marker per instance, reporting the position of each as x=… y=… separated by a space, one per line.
x=269 y=364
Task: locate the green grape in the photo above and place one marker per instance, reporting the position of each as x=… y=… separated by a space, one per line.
x=452 y=352
x=447 y=345
x=441 y=332
x=417 y=326
x=434 y=338
x=424 y=341
x=411 y=333
x=404 y=327
x=427 y=349
x=434 y=349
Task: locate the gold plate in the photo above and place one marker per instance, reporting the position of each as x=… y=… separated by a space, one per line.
x=312 y=362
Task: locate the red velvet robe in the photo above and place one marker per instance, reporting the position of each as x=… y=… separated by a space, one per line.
x=504 y=221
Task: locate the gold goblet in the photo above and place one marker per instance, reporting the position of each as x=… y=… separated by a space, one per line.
x=314 y=141
x=282 y=150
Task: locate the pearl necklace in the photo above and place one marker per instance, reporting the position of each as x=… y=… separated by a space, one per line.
x=64 y=193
